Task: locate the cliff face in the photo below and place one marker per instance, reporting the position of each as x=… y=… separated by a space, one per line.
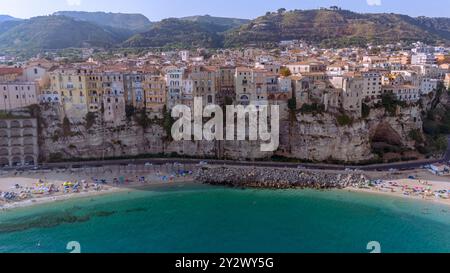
x=308 y=137
x=320 y=138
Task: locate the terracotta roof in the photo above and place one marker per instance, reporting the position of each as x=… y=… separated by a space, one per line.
x=10 y=70
x=242 y=68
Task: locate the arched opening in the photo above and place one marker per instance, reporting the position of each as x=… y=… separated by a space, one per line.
x=16 y=161
x=15 y=133
x=4 y=162
x=28 y=132
x=4 y=152
x=28 y=141
x=16 y=142
x=15 y=124
x=27 y=123
x=3 y=133
x=3 y=124
x=244 y=97
x=16 y=151
x=28 y=150
x=3 y=142
x=29 y=160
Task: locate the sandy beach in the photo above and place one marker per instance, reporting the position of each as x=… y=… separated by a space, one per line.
x=425 y=185
x=44 y=186
x=38 y=187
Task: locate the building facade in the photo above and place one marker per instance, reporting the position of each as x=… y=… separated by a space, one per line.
x=18 y=142
x=15 y=95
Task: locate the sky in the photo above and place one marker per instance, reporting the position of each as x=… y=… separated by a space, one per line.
x=156 y=10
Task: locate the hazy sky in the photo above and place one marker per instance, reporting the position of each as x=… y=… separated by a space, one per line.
x=159 y=9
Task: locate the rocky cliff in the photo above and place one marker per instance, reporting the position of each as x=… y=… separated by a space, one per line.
x=305 y=137
x=321 y=138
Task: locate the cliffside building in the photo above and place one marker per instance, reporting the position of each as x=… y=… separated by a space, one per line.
x=18 y=142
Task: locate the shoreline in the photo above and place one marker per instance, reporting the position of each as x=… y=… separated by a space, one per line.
x=156 y=181
x=420 y=184
x=74 y=196
x=400 y=196
x=29 y=188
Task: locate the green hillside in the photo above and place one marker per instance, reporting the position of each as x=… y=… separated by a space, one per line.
x=325 y=27
x=57 y=32
x=333 y=27
x=229 y=23
x=178 y=33
x=134 y=22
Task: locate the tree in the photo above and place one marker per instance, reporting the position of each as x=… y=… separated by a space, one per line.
x=90 y=120
x=130 y=110
x=168 y=122
x=390 y=102
x=285 y=72
x=344 y=120
x=142 y=119
x=281 y=11
x=365 y=109
x=66 y=127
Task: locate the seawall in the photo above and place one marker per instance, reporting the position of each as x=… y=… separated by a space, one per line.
x=276 y=178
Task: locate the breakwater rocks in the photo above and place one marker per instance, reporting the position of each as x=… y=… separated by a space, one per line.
x=276 y=178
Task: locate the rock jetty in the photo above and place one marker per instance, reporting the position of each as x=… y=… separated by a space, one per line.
x=276 y=178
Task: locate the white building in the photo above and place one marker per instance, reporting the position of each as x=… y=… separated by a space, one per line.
x=17 y=95
x=352 y=90
x=113 y=97
x=48 y=96
x=187 y=92
x=428 y=85
x=407 y=93
x=285 y=85
x=372 y=83
x=423 y=58
x=184 y=55
x=34 y=73
x=174 y=83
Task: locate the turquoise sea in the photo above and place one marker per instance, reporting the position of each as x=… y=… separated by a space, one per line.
x=200 y=218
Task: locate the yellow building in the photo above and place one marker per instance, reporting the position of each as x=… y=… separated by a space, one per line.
x=94 y=92
x=155 y=94
x=442 y=59
x=71 y=86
